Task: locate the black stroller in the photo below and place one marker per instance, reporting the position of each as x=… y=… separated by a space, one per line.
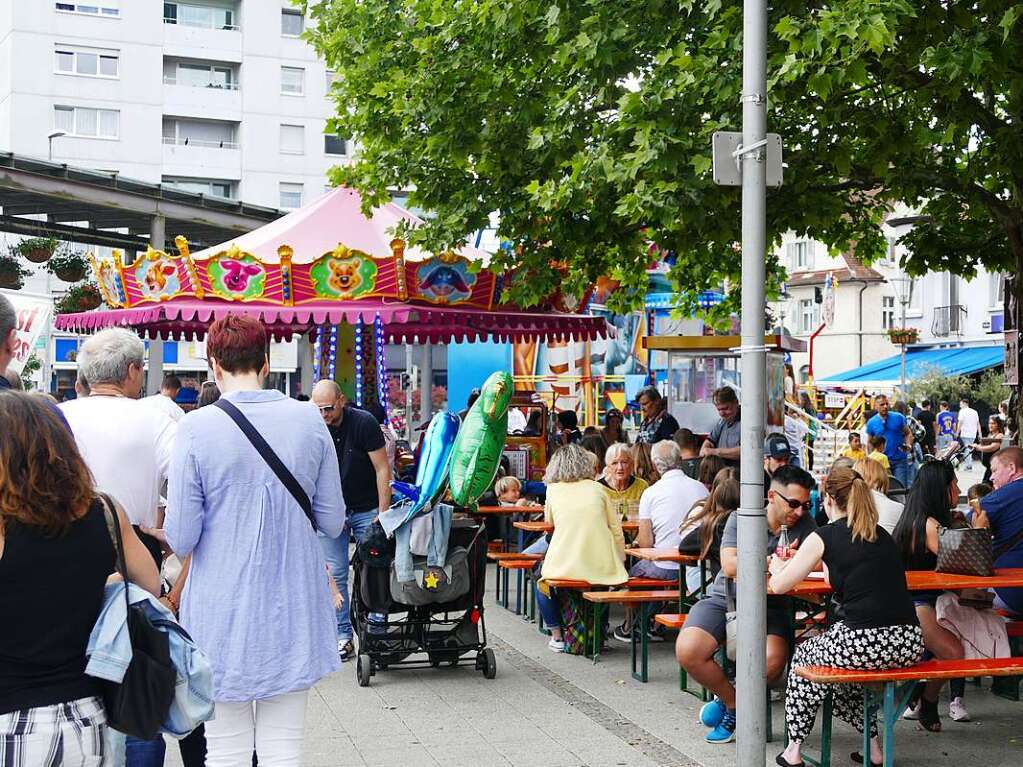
x=400 y=634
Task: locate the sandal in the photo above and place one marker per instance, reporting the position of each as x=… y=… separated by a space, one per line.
x=857 y=757
x=928 y=716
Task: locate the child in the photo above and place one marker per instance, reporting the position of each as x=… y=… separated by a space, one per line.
x=508 y=491
x=855 y=450
x=877 y=446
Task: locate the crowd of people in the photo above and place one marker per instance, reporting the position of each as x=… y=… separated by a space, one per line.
x=876 y=513
x=240 y=555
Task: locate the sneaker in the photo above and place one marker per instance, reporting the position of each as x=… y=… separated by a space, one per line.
x=345 y=649
x=725 y=731
x=957 y=710
x=556 y=645
x=656 y=634
x=912 y=713
x=623 y=634
x=712 y=713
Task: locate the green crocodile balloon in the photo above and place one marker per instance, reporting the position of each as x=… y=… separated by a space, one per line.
x=480 y=441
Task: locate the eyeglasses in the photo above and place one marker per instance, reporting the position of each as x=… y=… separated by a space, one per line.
x=326 y=408
x=793 y=503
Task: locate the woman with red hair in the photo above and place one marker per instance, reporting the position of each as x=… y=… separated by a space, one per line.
x=257 y=600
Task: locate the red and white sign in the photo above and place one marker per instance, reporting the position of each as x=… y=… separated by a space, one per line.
x=34 y=312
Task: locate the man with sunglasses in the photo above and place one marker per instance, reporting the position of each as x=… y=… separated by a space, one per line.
x=890 y=424
x=365 y=484
x=788 y=505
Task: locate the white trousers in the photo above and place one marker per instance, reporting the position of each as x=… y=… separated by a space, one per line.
x=272 y=726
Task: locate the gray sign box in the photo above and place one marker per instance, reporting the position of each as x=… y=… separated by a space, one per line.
x=726 y=164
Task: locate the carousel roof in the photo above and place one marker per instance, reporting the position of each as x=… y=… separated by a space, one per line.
x=324 y=264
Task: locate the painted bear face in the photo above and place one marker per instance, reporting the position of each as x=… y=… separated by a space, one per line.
x=344 y=275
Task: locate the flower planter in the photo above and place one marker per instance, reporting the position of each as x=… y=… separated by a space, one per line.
x=904 y=337
x=37 y=255
x=10 y=280
x=72 y=273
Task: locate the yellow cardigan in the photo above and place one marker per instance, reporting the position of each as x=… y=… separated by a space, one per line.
x=587 y=543
x=620 y=499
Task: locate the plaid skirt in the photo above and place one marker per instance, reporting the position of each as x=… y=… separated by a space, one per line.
x=63 y=735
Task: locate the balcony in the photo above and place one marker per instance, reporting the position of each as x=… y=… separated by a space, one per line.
x=202 y=32
x=949 y=321
x=193 y=157
x=215 y=101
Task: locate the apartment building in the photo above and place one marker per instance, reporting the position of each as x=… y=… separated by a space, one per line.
x=221 y=97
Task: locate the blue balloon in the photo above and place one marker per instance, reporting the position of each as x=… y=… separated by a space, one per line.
x=432 y=471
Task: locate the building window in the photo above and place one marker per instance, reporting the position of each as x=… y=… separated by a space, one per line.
x=333 y=144
x=292 y=81
x=891 y=256
x=887 y=312
x=809 y=315
x=85 y=61
x=331 y=78
x=199 y=75
x=292 y=139
x=997 y=291
x=212 y=134
x=108 y=8
x=292 y=22
x=83 y=121
x=915 y=304
x=800 y=255
x=204 y=16
x=291 y=195
x=211 y=187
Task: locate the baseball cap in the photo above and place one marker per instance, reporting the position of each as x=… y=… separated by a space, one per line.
x=777 y=446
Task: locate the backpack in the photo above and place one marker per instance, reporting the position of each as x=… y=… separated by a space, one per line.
x=374 y=556
x=576 y=622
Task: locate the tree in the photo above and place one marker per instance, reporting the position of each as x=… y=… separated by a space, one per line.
x=586 y=124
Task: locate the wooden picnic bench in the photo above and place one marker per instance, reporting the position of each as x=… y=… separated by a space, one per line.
x=896 y=688
x=645 y=601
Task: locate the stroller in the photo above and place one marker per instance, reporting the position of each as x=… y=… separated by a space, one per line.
x=399 y=634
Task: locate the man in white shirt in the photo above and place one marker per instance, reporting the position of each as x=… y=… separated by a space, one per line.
x=126 y=444
x=967 y=429
x=164 y=401
x=662 y=509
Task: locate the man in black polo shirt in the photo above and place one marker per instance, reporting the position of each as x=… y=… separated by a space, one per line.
x=365 y=484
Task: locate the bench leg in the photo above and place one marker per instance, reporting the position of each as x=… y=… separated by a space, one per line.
x=518 y=593
x=640 y=627
x=1006 y=687
x=890 y=715
x=598 y=629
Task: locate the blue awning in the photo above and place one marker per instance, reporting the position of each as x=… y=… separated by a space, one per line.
x=961 y=360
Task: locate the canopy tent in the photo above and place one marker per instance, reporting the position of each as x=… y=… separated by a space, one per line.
x=324 y=264
x=886 y=373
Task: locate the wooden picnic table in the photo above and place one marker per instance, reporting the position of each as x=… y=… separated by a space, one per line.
x=928 y=580
x=662 y=555
x=498 y=511
x=539 y=526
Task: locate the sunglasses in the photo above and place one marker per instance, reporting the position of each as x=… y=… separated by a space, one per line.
x=793 y=503
x=326 y=408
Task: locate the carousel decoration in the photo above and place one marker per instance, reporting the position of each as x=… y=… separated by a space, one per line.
x=334 y=275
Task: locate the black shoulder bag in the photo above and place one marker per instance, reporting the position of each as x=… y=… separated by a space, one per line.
x=139 y=704
x=268 y=455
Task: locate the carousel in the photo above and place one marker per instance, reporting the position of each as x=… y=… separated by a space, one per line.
x=334 y=276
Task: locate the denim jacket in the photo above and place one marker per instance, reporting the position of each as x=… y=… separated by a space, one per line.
x=109 y=654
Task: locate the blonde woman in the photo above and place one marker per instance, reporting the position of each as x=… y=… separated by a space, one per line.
x=880 y=629
x=889 y=512
x=587 y=543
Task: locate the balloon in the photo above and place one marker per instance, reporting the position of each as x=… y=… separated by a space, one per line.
x=480 y=442
x=432 y=472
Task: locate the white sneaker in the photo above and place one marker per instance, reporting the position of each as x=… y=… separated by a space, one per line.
x=912 y=713
x=556 y=645
x=957 y=710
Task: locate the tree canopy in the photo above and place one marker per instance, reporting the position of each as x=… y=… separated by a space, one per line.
x=586 y=125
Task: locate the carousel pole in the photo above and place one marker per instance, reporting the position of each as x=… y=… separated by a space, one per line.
x=426 y=383
x=154 y=375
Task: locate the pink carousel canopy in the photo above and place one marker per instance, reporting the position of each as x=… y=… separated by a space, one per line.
x=325 y=264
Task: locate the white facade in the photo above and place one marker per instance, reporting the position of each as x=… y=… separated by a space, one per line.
x=945 y=309
x=220 y=97
x=198 y=101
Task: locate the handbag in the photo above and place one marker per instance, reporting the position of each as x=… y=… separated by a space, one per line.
x=139 y=704
x=965 y=551
x=268 y=455
x=577 y=628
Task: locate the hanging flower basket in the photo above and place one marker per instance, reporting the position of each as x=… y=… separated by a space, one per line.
x=68 y=266
x=37 y=249
x=12 y=272
x=81 y=298
x=904 y=335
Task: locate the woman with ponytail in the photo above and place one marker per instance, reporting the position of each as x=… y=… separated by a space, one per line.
x=880 y=628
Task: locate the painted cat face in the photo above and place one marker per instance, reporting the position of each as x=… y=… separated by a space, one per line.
x=156 y=276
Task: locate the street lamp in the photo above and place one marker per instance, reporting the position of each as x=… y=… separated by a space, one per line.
x=902 y=285
x=50 y=137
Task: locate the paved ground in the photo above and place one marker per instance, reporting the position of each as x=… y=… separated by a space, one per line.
x=563 y=711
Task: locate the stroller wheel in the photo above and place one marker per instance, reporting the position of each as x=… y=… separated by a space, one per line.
x=487 y=663
x=363 y=669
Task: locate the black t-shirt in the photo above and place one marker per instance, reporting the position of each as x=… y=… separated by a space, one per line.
x=691 y=467
x=926 y=419
x=868 y=578
x=51 y=592
x=355 y=438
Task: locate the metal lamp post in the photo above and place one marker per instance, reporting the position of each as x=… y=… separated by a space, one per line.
x=901 y=285
x=49 y=138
